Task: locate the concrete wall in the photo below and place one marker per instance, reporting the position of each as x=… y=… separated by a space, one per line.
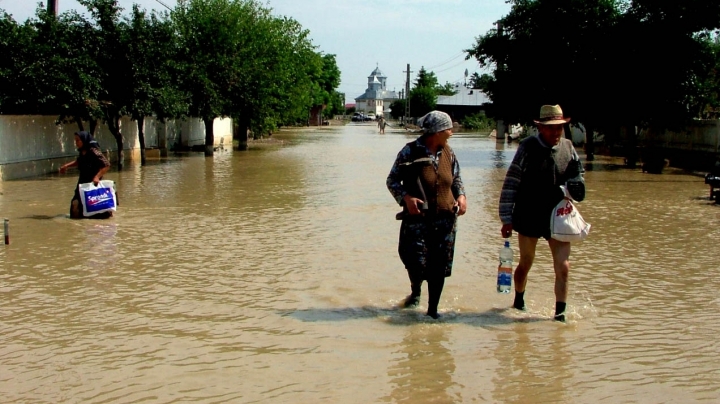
x=696 y=147
x=701 y=135
x=32 y=145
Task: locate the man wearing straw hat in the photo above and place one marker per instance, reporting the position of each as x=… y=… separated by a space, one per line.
x=530 y=192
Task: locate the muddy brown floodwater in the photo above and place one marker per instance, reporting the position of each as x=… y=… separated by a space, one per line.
x=272 y=276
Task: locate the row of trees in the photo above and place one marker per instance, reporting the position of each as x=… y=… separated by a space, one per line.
x=423 y=95
x=204 y=59
x=608 y=63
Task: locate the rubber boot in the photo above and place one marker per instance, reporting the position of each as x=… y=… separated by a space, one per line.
x=560 y=311
x=435 y=288
x=413 y=299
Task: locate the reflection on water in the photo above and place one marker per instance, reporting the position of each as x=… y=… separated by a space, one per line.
x=540 y=364
x=423 y=369
x=272 y=275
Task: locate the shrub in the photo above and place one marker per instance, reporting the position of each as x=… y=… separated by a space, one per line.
x=478 y=121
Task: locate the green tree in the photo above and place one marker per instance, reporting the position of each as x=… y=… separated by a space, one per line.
x=15 y=41
x=422 y=100
x=397 y=108
x=291 y=83
x=335 y=107
x=551 y=52
x=426 y=79
x=49 y=67
x=240 y=61
x=152 y=50
x=115 y=68
x=584 y=54
x=216 y=38
x=423 y=96
x=328 y=80
x=650 y=31
x=483 y=82
x=707 y=102
x=447 y=89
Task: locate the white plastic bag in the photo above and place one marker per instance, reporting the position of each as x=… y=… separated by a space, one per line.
x=566 y=223
x=98 y=198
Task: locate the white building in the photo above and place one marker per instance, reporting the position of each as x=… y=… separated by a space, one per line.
x=377 y=98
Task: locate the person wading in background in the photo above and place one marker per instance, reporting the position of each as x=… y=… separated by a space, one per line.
x=92 y=165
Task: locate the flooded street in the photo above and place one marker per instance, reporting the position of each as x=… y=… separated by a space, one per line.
x=272 y=276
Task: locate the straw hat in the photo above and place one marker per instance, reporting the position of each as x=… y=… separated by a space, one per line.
x=551 y=115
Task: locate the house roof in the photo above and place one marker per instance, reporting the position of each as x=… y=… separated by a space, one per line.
x=466 y=96
x=377 y=95
x=377 y=72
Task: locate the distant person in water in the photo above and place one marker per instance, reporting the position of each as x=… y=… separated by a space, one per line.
x=425 y=181
x=92 y=165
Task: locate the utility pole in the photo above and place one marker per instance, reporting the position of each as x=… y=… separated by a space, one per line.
x=52 y=7
x=407 y=94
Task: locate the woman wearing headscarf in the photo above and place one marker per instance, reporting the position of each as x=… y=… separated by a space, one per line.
x=425 y=181
x=92 y=165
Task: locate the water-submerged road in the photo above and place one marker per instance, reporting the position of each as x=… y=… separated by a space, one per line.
x=272 y=276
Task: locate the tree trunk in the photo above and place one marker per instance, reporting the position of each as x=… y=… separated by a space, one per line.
x=79 y=122
x=93 y=127
x=141 y=137
x=241 y=134
x=113 y=120
x=209 y=136
x=162 y=131
x=631 y=147
x=589 y=143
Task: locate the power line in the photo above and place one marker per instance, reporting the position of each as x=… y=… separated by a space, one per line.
x=166 y=6
x=451 y=67
x=446 y=62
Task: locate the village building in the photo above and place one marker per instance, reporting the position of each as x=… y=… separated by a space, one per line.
x=466 y=101
x=377 y=98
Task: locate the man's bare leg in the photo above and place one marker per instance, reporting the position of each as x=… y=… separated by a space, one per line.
x=561 y=255
x=527 y=247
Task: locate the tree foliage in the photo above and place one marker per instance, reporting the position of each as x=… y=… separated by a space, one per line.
x=49 y=66
x=154 y=79
x=606 y=62
x=205 y=59
x=481 y=82
x=423 y=96
x=397 y=108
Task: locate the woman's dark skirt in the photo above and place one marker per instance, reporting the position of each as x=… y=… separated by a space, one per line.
x=427 y=244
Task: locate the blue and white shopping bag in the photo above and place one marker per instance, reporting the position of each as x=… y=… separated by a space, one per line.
x=98 y=198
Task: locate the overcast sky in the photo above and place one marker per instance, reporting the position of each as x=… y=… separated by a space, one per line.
x=365 y=34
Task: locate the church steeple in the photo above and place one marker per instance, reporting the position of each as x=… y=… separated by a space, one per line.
x=377 y=75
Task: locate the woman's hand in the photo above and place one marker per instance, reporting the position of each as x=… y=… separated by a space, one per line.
x=96 y=180
x=63 y=168
x=461 y=203
x=411 y=203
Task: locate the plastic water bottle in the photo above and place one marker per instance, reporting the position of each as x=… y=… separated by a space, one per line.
x=504 y=279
